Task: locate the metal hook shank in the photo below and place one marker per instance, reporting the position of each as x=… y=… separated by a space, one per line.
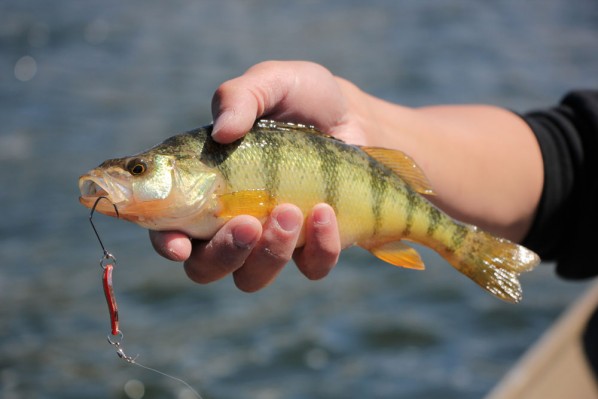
x=93 y=209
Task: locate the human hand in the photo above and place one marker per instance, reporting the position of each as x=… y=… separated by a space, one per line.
x=255 y=254
x=289 y=91
x=300 y=92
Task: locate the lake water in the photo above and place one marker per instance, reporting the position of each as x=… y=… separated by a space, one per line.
x=87 y=80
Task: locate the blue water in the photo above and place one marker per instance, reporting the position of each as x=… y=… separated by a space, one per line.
x=84 y=81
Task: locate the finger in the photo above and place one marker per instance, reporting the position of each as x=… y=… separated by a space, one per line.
x=225 y=252
x=273 y=251
x=322 y=243
x=234 y=109
x=237 y=103
x=172 y=245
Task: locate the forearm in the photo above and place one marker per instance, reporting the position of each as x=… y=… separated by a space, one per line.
x=483 y=162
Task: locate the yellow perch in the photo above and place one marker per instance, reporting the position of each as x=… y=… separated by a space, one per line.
x=192 y=184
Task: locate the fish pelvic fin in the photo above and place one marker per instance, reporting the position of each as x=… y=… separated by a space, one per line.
x=398 y=253
x=403 y=166
x=493 y=263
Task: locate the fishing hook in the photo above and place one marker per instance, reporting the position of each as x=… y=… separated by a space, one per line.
x=107 y=255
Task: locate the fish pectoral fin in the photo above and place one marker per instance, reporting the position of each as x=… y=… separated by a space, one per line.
x=258 y=203
x=404 y=166
x=398 y=253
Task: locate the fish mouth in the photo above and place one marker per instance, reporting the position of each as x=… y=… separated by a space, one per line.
x=92 y=189
x=96 y=184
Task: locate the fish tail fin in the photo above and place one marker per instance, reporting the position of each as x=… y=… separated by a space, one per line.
x=493 y=263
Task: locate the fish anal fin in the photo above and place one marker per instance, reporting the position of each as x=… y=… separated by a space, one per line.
x=398 y=253
x=404 y=166
x=258 y=203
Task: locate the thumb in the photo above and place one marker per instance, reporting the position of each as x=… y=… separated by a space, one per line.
x=237 y=103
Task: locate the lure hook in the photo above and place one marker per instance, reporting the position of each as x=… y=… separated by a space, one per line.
x=107 y=255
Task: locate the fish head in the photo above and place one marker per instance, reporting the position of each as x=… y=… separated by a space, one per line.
x=156 y=190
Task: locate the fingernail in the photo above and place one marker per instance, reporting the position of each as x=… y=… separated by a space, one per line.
x=244 y=236
x=321 y=215
x=288 y=220
x=173 y=254
x=220 y=122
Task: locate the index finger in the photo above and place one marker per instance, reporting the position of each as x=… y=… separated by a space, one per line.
x=172 y=245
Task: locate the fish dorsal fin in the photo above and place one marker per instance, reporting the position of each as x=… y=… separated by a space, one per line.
x=284 y=126
x=404 y=166
x=398 y=253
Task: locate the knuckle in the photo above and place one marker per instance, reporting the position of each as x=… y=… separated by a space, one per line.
x=221 y=92
x=247 y=288
x=275 y=257
x=195 y=273
x=248 y=282
x=316 y=265
x=316 y=271
x=210 y=261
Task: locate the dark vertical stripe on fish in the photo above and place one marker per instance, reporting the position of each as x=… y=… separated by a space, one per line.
x=271 y=160
x=329 y=167
x=214 y=154
x=434 y=220
x=458 y=237
x=378 y=185
x=410 y=207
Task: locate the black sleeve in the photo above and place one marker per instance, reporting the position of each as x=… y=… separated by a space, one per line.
x=566 y=224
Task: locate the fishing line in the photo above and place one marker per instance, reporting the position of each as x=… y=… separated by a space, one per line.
x=107 y=263
x=133 y=360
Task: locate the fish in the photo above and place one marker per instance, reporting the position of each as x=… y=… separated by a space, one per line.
x=193 y=184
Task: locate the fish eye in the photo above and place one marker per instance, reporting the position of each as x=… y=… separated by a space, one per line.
x=137 y=167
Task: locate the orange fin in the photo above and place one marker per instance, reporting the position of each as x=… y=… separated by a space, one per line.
x=399 y=254
x=258 y=203
x=492 y=262
x=404 y=166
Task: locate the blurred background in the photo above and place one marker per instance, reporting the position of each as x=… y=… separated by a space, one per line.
x=82 y=81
